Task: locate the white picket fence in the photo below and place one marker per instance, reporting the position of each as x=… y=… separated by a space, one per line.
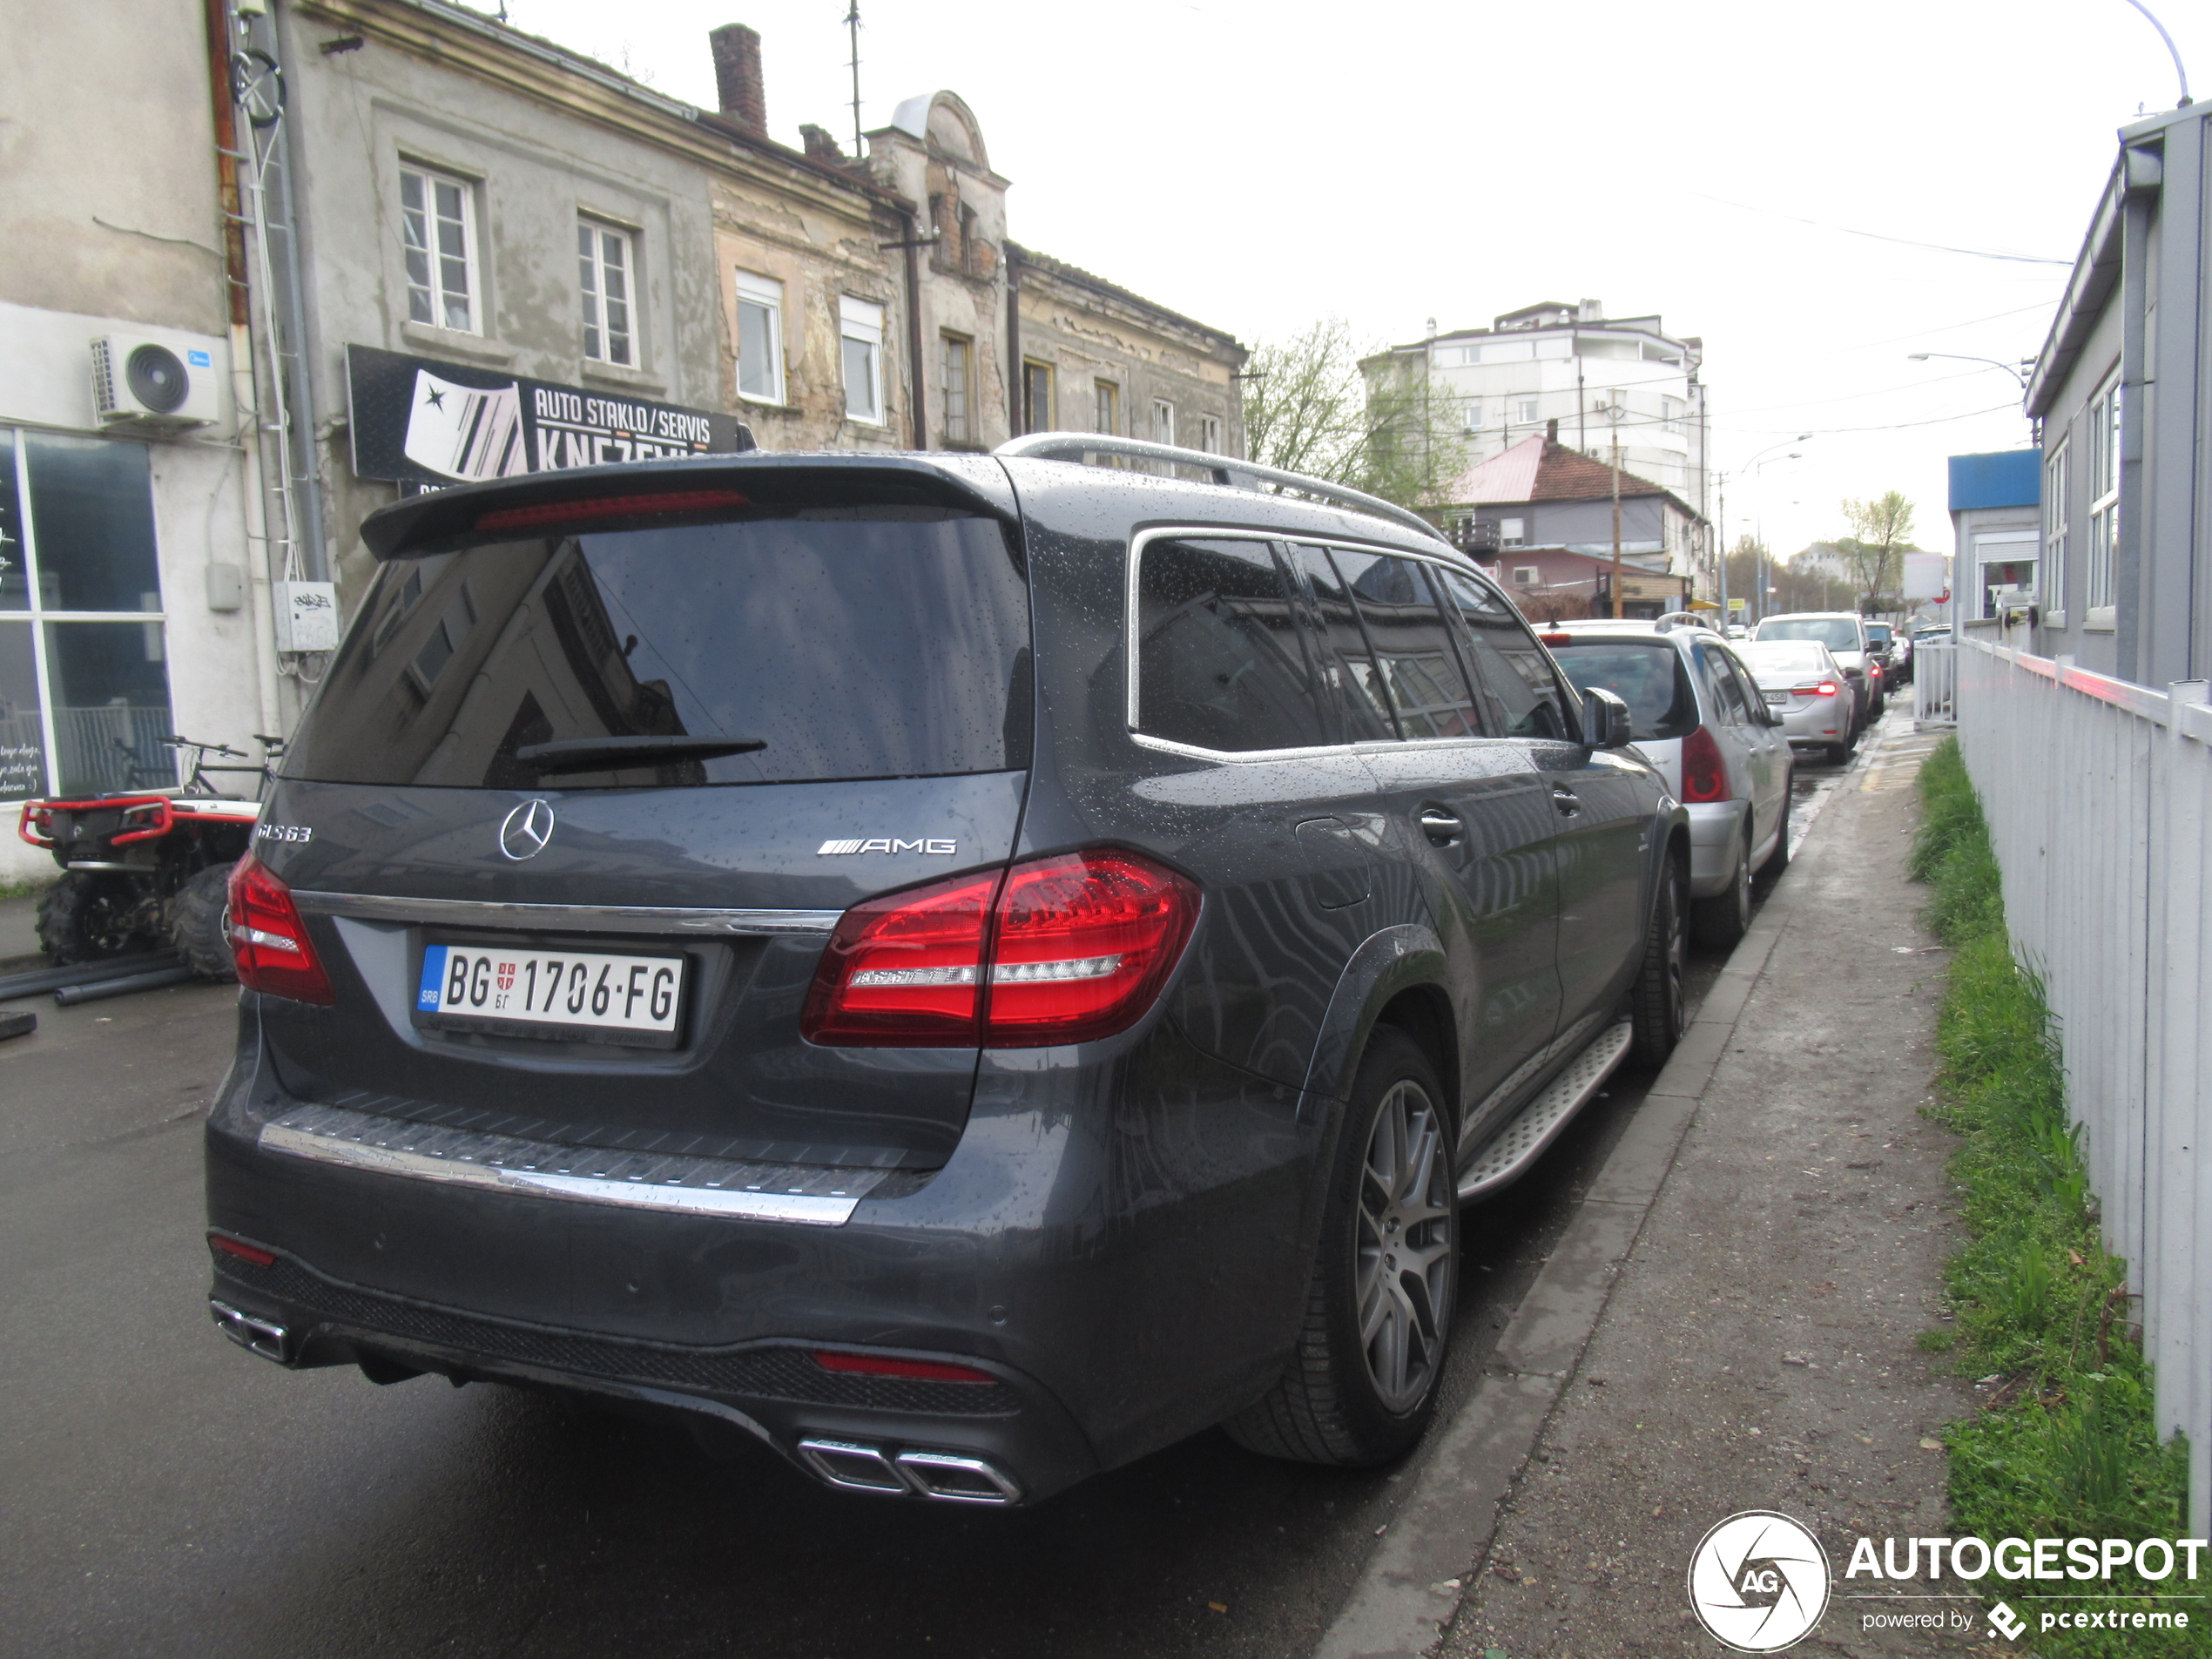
x=2099 y=796
x=1935 y=684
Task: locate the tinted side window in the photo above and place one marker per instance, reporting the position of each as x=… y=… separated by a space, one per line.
x=1721 y=687
x=1524 y=696
x=1412 y=643
x=1348 y=664
x=1648 y=675
x=1221 y=661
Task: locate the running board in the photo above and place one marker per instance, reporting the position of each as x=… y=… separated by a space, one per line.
x=1505 y=1157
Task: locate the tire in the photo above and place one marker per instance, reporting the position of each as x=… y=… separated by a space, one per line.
x=1360 y=1386
x=1838 y=753
x=86 y=917
x=1723 y=919
x=1778 y=860
x=196 y=917
x=1658 y=1012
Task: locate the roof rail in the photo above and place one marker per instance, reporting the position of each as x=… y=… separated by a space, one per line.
x=1223 y=470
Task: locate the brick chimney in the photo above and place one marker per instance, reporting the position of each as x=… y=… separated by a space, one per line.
x=1551 y=430
x=737 y=75
x=820 y=147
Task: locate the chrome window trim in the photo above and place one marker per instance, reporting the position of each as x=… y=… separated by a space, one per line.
x=1129 y=622
x=569 y=918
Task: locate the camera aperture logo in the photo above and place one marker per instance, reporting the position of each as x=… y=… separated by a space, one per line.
x=1758 y=1582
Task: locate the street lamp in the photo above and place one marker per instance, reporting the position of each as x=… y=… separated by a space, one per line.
x=2015 y=371
x=1757 y=464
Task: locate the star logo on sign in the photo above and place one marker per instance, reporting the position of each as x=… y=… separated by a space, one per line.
x=435 y=398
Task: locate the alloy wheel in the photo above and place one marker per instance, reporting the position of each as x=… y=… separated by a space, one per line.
x=1677 y=959
x=1403 y=1237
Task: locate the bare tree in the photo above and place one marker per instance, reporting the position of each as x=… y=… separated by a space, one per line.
x=1309 y=407
x=1881 y=531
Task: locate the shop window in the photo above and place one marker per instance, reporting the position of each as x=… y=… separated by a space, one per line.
x=84 y=674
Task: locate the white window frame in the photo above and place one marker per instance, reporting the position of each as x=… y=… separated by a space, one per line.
x=2103 y=490
x=1162 y=420
x=766 y=295
x=1471 y=414
x=1671 y=410
x=1210 y=434
x=598 y=303
x=860 y=323
x=957 y=392
x=1528 y=411
x=2055 y=502
x=1513 y=532
x=437 y=299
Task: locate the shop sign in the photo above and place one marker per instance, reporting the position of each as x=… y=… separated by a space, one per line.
x=421 y=421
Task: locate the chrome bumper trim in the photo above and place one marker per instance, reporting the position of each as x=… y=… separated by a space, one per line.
x=809 y=1195
x=568 y=918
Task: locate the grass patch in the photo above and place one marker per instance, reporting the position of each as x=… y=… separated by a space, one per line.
x=2066 y=1445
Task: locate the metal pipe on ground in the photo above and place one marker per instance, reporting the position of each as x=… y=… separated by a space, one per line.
x=39 y=979
x=69 y=995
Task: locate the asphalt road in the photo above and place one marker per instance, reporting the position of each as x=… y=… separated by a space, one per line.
x=168 y=1493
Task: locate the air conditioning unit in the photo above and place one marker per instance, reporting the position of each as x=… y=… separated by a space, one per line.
x=150 y=386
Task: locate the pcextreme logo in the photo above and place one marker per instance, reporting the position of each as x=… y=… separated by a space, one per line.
x=1758 y=1582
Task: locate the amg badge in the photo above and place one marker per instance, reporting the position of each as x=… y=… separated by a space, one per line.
x=936 y=849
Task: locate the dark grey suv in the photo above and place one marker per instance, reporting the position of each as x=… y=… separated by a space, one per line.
x=966 y=969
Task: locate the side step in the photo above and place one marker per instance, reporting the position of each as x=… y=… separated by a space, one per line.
x=1505 y=1157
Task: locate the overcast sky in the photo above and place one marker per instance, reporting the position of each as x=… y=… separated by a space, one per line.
x=1258 y=165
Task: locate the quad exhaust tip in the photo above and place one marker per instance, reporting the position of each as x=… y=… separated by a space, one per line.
x=948 y=1477
x=256 y=1335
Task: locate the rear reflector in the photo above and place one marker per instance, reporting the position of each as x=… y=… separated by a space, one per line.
x=269 y=940
x=548 y=515
x=1060 y=949
x=244 y=1253
x=871 y=1364
x=1705 y=775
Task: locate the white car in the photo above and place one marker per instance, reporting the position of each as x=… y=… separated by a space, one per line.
x=1698 y=716
x=1803 y=682
x=1844 y=634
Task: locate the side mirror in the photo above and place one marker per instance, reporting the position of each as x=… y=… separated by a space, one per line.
x=1605 y=720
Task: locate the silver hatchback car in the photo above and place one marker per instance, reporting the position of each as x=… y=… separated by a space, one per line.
x=1698 y=716
x=1803 y=682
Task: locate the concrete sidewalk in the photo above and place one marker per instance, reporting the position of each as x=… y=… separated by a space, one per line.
x=1756 y=1350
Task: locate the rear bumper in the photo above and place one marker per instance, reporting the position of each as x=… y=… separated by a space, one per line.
x=1715 y=831
x=1119 y=1239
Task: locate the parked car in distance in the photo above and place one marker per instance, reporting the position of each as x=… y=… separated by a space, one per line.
x=1697 y=716
x=1844 y=634
x=964 y=969
x=1894 y=652
x=1802 y=683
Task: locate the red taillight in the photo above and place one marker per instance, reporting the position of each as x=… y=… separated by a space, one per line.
x=1082 y=944
x=1059 y=949
x=1704 y=776
x=548 y=515
x=36 y=823
x=873 y=1364
x=1826 y=688
x=244 y=1253
x=145 y=821
x=269 y=940
x=1556 y=639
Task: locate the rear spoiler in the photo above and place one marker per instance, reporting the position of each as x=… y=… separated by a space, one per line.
x=691 y=488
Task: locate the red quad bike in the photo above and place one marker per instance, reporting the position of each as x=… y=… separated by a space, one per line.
x=147 y=869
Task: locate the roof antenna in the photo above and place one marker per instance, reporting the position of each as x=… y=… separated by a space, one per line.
x=2172 y=50
x=852 y=27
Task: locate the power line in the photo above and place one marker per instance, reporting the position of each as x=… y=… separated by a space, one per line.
x=1876 y=236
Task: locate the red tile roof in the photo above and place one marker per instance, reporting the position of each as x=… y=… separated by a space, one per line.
x=1537 y=468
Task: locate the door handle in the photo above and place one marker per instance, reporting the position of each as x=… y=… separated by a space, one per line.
x=1567 y=801
x=1442 y=828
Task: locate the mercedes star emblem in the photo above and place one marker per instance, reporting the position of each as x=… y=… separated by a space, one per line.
x=524 y=832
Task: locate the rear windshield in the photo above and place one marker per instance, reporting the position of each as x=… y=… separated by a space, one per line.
x=1831 y=631
x=1648 y=674
x=831 y=644
x=1778 y=659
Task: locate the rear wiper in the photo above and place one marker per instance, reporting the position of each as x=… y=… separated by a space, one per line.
x=600 y=754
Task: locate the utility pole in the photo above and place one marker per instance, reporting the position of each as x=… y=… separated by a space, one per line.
x=1613 y=412
x=1721 y=530
x=853 y=28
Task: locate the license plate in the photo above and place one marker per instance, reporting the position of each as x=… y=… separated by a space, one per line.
x=598 y=996
x=1777 y=697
